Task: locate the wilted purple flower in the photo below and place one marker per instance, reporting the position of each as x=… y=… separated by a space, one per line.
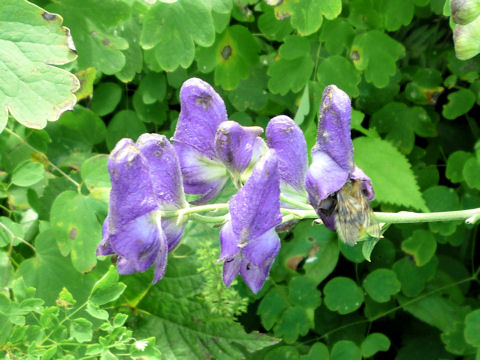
x=249 y=243
x=146 y=180
x=333 y=170
x=210 y=147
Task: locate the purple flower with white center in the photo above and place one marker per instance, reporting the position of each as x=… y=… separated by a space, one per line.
x=210 y=147
x=249 y=243
x=146 y=180
x=338 y=190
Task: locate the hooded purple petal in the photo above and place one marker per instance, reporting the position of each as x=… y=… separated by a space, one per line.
x=333 y=136
x=262 y=249
x=228 y=242
x=164 y=170
x=367 y=187
x=255 y=208
x=161 y=259
x=202 y=111
x=104 y=248
x=286 y=138
x=234 y=145
x=231 y=268
x=255 y=276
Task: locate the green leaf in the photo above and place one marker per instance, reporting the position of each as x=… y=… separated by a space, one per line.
x=125 y=124
x=395 y=185
x=397 y=13
x=442 y=198
x=283 y=353
x=86 y=78
x=318 y=351
x=412 y=277
x=81 y=330
x=172 y=29
x=250 y=93
x=107 y=289
x=48 y=271
x=303 y=292
x=271 y=27
x=182 y=323
x=106 y=97
x=78 y=235
x=421 y=245
x=345 y=350
x=272 y=305
x=374 y=343
x=231 y=56
x=472 y=328
x=471 y=169
x=466 y=40
x=153 y=88
x=337 y=35
x=32 y=40
x=28 y=173
x=294 y=53
x=65 y=299
x=342 y=295
x=459 y=102
x=368 y=246
x=455 y=165
x=376 y=53
x=295 y=322
x=95 y=176
x=131 y=31
x=341 y=72
x=381 y=284
x=93 y=25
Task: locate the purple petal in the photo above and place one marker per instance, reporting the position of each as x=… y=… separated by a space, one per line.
x=255 y=276
x=228 y=242
x=286 y=138
x=173 y=232
x=104 y=248
x=263 y=248
x=234 y=145
x=125 y=266
x=164 y=171
x=139 y=241
x=202 y=110
x=367 y=187
x=161 y=259
x=333 y=136
x=255 y=208
x=132 y=193
x=231 y=268
x=201 y=175
x=324 y=178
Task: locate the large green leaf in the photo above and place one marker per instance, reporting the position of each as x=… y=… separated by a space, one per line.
x=172 y=29
x=181 y=321
x=31 y=41
x=93 y=24
x=392 y=184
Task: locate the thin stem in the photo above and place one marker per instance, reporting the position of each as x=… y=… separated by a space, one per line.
x=209 y=219
x=43 y=155
x=194 y=210
x=411 y=217
x=298 y=204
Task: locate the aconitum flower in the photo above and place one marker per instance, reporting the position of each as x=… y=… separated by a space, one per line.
x=337 y=189
x=146 y=180
x=249 y=243
x=210 y=148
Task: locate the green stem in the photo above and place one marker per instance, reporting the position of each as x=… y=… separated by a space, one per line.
x=296 y=203
x=410 y=217
x=209 y=219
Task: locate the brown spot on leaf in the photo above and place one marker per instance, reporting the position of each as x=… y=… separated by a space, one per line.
x=294 y=261
x=355 y=56
x=49 y=16
x=73 y=233
x=226 y=52
x=106 y=42
x=93 y=32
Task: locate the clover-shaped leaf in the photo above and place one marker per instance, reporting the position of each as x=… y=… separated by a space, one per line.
x=345 y=350
x=421 y=245
x=172 y=29
x=31 y=41
x=374 y=343
x=343 y=295
x=472 y=328
x=442 y=198
x=293 y=54
x=455 y=165
x=470 y=173
x=232 y=55
x=339 y=71
x=381 y=284
x=376 y=54
x=93 y=25
x=459 y=102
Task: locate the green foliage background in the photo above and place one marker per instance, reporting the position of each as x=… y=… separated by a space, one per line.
x=415 y=132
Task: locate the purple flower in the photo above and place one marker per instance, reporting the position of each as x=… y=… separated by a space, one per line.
x=210 y=148
x=146 y=180
x=249 y=243
x=333 y=176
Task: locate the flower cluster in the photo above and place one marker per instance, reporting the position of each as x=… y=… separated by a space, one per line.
x=149 y=179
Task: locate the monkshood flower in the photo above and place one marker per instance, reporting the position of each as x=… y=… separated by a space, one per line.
x=249 y=243
x=339 y=191
x=210 y=148
x=146 y=180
